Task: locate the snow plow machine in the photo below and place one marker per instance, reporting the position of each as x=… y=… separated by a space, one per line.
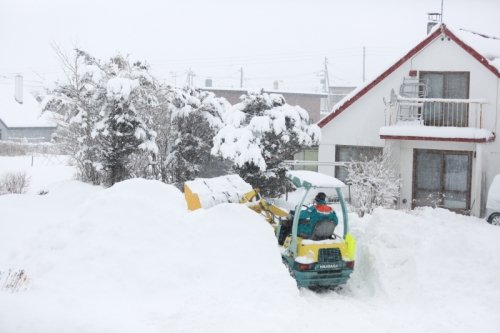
x=317 y=263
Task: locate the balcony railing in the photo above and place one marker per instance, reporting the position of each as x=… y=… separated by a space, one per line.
x=438 y=112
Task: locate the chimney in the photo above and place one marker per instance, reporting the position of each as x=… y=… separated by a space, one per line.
x=276 y=85
x=208 y=82
x=18 y=92
x=432 y=20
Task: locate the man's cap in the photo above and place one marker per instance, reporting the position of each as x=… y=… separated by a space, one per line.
x=320 y=198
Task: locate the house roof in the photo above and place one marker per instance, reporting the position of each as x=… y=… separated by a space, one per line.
x=246 y=91
x=16 y=115
x=490 y=59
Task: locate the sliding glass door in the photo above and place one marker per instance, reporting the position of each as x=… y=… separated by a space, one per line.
x=442 y=178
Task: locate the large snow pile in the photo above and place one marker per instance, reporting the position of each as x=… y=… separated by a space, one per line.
x=131 y=258
x=434 y=266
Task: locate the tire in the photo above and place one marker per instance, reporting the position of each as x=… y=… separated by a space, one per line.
x=494 y=219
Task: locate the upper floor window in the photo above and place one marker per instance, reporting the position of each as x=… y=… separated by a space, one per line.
x=446 y=85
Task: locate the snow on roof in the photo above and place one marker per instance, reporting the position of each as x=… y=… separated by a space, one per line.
x=457 y=133
x=485 y=50
x=246 y=91
x=487 y=46
x=27 y=114
x=316 y=179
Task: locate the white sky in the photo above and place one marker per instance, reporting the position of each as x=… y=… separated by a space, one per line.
x=284 y=40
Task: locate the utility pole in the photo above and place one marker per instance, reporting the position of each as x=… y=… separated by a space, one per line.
x=327 y=84
x=190 y=78
x=364 y=62
x=241 y=77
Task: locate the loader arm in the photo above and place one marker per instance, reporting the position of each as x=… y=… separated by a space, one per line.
x=254 y=201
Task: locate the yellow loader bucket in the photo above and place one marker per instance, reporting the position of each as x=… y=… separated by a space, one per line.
x=208 y=192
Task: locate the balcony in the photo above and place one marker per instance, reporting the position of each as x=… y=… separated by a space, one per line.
x=438 y=119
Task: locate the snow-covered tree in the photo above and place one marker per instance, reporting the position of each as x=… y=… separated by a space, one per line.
x=373 y=183
x=134 y=92
x=122 y=134
x=259 y=134
x=101 y=102
x=79 y=101
x=195 y=119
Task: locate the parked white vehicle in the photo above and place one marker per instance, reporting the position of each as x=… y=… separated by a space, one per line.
x=493 y=203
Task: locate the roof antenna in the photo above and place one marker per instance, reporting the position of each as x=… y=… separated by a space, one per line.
x=442 y=2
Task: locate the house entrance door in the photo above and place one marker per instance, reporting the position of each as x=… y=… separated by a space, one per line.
x=442 y=178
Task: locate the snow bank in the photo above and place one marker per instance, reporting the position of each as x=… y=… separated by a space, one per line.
x=131 y=258
x=434 y=266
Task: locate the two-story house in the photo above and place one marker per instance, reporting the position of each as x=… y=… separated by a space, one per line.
x=436 y=110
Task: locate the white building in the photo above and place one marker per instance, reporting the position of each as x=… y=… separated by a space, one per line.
x=21 y=115
x=437 y=111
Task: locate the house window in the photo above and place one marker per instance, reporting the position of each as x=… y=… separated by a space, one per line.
x=447 y=85
x=307 y=155
x=353 y=153
x=442 y=178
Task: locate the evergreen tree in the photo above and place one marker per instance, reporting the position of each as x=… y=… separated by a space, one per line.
x=260 y=133
x=123 y=135
x=195 y=119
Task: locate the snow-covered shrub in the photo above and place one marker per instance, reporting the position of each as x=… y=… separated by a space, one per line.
x=13 y=280
x=14 y=182
x=259 y=134
x=373 y=183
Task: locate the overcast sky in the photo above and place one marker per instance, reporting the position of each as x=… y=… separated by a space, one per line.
x=272 y=40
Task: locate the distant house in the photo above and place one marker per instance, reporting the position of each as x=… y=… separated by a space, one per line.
x=21 y=116
x=313 y=103
x=337 y=93
x=437 y=111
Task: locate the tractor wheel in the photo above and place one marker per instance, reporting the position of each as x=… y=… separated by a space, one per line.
x=494 y=219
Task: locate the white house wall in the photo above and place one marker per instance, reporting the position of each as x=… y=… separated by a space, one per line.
x=445 y=55
x=359 y=124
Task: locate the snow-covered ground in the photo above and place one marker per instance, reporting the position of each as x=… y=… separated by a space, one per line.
x=131 y=258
